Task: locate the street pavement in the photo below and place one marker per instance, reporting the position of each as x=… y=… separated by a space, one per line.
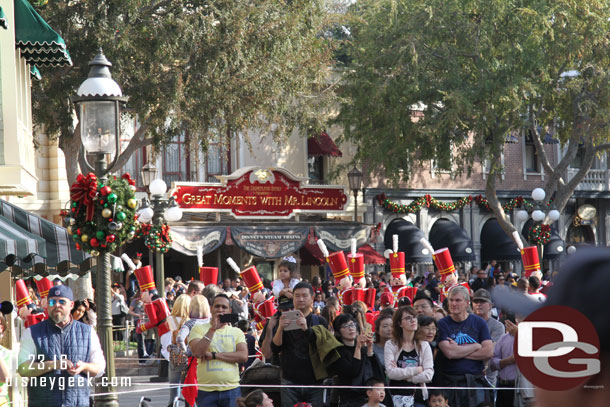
x=158 y=393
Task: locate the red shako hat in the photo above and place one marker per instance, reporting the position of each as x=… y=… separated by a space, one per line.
x=355 y=263
x=397 y=264
x=531 y=261
x=208 y=275
x=43 y=285
x=252 y=279
x=444 y=262
x=338 y=265
x=144 y=275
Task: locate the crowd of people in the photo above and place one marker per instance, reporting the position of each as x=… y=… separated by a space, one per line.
x=316 y=340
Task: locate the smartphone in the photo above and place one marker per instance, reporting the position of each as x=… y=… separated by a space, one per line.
x=228 y=318
x=292 y=316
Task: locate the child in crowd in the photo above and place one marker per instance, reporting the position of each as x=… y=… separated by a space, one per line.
x=375 y=392
x=318 y=303
x=437 y=398
x=284 y=285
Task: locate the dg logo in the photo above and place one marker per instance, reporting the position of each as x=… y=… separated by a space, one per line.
x=557 y=348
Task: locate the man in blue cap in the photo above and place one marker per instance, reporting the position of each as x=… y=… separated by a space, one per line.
x=60 y=355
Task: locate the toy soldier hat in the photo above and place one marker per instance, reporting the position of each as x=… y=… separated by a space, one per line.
x=531 y=261
x=44 y=285
x=338 y=265
x=252 y=279
x=355 y=263
x=208 y=275
x=22 y=294
x=397 y=264
x=444 y=262
x=144 y=275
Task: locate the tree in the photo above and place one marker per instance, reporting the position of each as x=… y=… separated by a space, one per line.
x=214 y=68
x=450 y=79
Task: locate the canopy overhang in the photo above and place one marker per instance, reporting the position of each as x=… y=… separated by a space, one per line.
x=409 y=241
x=496 y=244
x=445 y=233
x=321 y=145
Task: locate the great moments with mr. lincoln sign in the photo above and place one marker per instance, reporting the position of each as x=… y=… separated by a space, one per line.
x=260 y=193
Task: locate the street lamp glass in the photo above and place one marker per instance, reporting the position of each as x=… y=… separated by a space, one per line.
x=157 y=187
x=538 y=194
x=173 y=214
x=98 y=126
x=148 y=173
x=538 y=215
x=146 y=214
x=554 y=215
x=354 y=178
x=522 y=215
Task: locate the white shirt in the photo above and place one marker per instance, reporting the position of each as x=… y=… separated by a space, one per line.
x=96 y=355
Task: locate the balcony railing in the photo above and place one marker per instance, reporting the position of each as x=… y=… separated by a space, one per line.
x=595 y=180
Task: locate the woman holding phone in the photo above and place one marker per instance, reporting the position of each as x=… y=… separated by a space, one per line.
x=357 y=361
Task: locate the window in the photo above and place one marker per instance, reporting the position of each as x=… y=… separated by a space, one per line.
x=217 y=160
x=598 y=162
x=315 y=168
x=531 y=163
x=176 y=160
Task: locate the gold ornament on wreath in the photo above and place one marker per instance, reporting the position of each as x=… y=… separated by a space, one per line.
x=101 y=217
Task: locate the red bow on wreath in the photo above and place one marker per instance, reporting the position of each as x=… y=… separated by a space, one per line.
x=84 y=191
x=128 y=178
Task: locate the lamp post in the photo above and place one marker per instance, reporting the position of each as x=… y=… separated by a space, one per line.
x=98 y=102
x=354 y=177
x=538 y=214
x=159 y=210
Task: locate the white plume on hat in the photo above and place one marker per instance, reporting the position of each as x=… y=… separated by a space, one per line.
x=353 y=247
x=200 y=256
x=518 y=240
x=233 y=265
x=323 y=248
x=395 y=243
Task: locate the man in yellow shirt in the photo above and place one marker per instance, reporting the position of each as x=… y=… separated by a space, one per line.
x=220 y=348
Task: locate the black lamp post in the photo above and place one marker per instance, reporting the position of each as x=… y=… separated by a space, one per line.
x=98 y=103
x=354 y=178
x=159 y=210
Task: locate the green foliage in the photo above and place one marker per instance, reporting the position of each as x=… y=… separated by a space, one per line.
x=210 y=67
x=426 y=75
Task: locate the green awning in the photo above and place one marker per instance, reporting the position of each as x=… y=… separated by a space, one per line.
x=40 y=45
x=35 y=73
x=3 y=22
x=17 y=243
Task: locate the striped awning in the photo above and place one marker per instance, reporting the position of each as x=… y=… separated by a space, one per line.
x=17 y=243
x=40 y=45
x=61 y=256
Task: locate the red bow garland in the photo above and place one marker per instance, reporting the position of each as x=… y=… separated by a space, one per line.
x=84 y=191
x=128 y=178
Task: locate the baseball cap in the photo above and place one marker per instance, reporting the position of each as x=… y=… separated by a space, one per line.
x=284 y=303
x=178 y=278
x=386 y=299
x=61 y=291
x=482 y=294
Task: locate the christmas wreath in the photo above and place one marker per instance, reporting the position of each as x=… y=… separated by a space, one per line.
x=102 y=216
x=539 y=234
x=156 y=237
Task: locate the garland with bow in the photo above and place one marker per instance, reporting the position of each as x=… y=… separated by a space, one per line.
x=101 y=216
x=430 y=202
x=539 y=234
x=156 y=237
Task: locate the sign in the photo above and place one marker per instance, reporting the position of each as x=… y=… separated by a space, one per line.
x=339 y=238
x=255 y=193
x=186 y=239
x=269 y=241
x=557 y=348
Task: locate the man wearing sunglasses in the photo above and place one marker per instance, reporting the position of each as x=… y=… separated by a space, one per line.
x=60 y=355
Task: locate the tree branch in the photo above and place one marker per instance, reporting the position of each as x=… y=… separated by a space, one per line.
x=492 y=196
x=137 y=141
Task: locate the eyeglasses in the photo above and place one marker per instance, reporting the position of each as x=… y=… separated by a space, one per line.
x=54 y=302
x=349 y=325
x=408 y=318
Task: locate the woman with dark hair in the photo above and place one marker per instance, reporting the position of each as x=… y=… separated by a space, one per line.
x=383 y=332
x=257 y=398
x=408 y=360
x=427 y=331
x=78 y=310
x=356 y=358
x=285 y=283
x=316 y=283
x=328 y=289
